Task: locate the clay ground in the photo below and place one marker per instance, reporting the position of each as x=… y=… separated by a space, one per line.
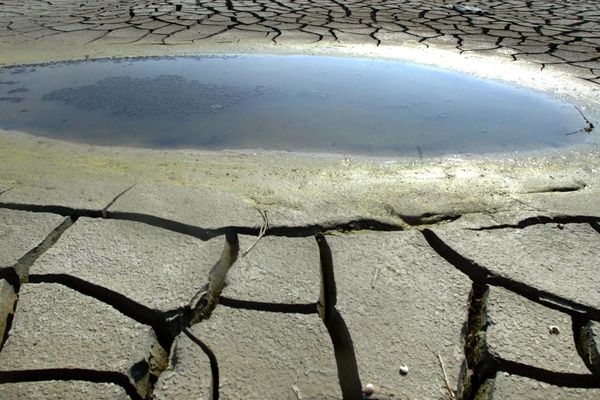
x=132 y=273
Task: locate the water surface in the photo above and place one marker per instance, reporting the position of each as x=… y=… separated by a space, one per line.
x=295 y=103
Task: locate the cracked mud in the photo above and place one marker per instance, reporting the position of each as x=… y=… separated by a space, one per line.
x=197 y=319
x=482 y=356
x=112 y=290
x=552 y=33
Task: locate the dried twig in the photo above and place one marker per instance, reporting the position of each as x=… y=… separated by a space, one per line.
x=586 y=120
x=113 y=201
x=375 y=274
x=448 y=386
x=588 y=129
x=261 y=233
x=296 y=392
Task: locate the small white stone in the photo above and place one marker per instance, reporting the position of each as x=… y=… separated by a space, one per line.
x=403 y=370
x=369 y=389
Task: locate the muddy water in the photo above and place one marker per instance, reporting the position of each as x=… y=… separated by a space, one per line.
x=295 y=103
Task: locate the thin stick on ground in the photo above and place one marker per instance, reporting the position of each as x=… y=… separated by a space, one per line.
x=375 y=274
x=296 y=392
x=588 y=129
x=448 y=386
x=584 y=117
x=261 y=233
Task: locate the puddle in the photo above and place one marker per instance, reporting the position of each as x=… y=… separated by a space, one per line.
x=295 y=103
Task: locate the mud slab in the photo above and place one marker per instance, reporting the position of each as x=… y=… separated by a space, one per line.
x=473 y=275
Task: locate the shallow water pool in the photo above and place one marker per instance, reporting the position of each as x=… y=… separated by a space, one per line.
x=295 y=103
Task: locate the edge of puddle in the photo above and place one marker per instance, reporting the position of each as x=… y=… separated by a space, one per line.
x=555 y=83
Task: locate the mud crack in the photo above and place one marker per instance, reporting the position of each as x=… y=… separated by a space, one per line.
x=338 y=331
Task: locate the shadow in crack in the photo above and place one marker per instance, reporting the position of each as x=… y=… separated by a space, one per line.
x=478 y=372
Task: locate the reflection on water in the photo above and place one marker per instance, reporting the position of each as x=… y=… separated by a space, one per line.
x=298 y=103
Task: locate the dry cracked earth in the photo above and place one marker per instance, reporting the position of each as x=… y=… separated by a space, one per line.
x=477 y=313
x=112 y=303
x=550 y=33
